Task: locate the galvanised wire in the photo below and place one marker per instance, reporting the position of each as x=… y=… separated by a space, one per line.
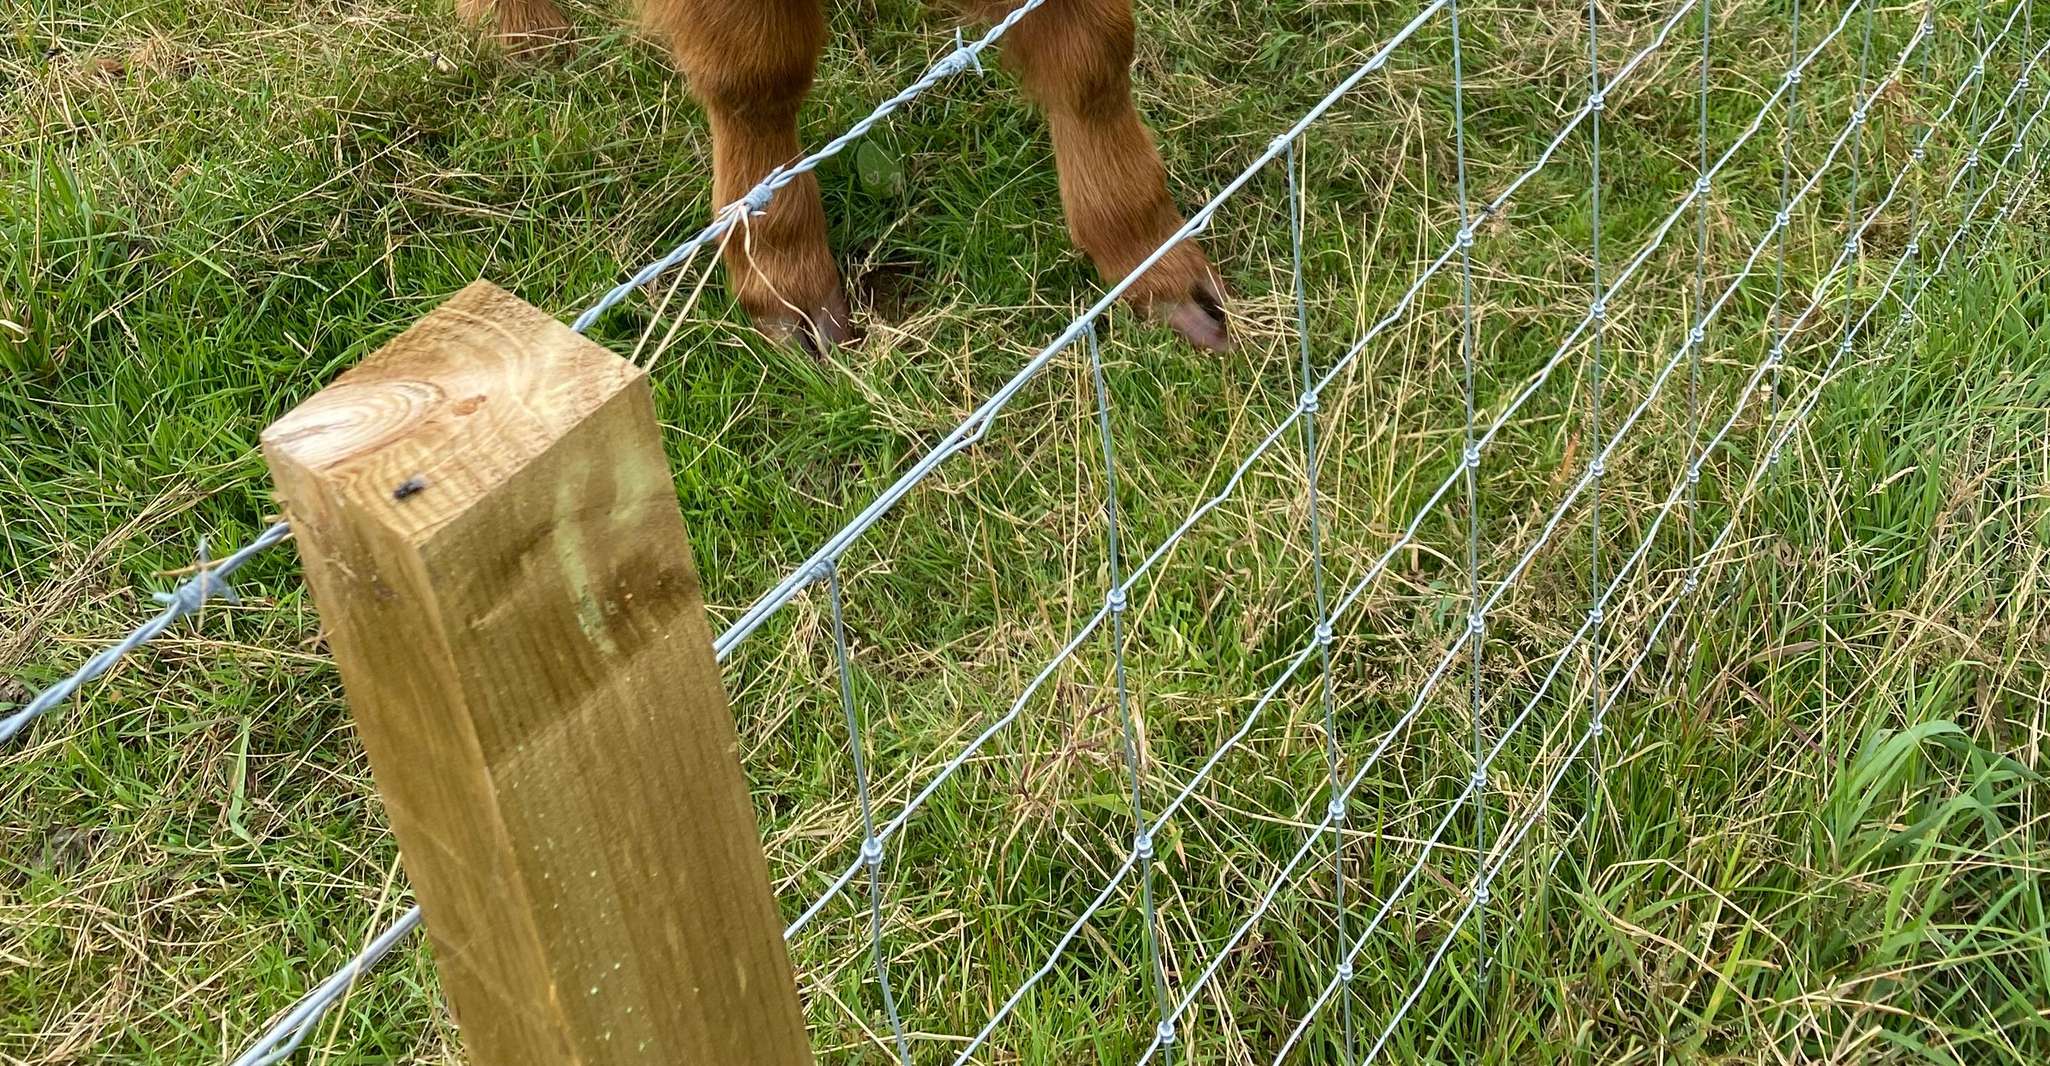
x=1322 y=623
x=1142 y=843
x=1651 y=642
x=871 y=848
x=1598 y=469
x=1686 y=588
x=209 y=583
x=1660 y=514
x=1787 y=129
x=1470 y=463
x=282 y=1039
x=1697 y=335
x=1862 y=116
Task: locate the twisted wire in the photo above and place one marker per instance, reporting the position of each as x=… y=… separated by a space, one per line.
x=209 y=583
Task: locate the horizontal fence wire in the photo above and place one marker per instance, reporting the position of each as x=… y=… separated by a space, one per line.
x=210 y=580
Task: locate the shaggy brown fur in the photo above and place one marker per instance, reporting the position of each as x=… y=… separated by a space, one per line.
x=750 y=63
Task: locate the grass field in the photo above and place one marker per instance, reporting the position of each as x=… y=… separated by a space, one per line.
x=1818 y=838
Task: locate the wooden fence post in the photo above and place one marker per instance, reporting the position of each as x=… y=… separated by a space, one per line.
x=492 y=536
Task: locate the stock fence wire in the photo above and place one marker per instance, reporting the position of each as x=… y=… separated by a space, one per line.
x=1605 y=584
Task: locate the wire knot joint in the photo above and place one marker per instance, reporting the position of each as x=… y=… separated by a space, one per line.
x=757 y=199
x=202 y=586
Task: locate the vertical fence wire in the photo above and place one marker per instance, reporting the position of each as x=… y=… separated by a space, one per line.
x=1789 y=127
x=1926 y=27
x=871 y=845
x=1308 y=404
x=1598 y=311
x=1142 y=841
x=1978 y=125
x=1470 y=456
x=1697 y=332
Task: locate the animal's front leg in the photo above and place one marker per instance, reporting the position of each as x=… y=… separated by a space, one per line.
x=750 y=63
x=1075 y=57
x=524 y=28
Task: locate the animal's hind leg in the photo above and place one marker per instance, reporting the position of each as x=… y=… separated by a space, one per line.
x=750 y=63
x=1075 y=58
x=525 y=28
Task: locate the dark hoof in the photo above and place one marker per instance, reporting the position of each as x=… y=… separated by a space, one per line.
x=1199 y=317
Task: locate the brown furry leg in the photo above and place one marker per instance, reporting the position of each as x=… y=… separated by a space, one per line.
x=527 y=29
x=750 y=63
x=1075 y=57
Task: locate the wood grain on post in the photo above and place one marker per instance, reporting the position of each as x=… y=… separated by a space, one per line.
x=492 y=537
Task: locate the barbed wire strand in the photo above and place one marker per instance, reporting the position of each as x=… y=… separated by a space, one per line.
x=871 y=848
x=210 y=582
x=1691 y=581
x=963 y=56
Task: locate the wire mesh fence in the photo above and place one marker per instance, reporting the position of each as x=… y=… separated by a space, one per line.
x=1360 y=677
